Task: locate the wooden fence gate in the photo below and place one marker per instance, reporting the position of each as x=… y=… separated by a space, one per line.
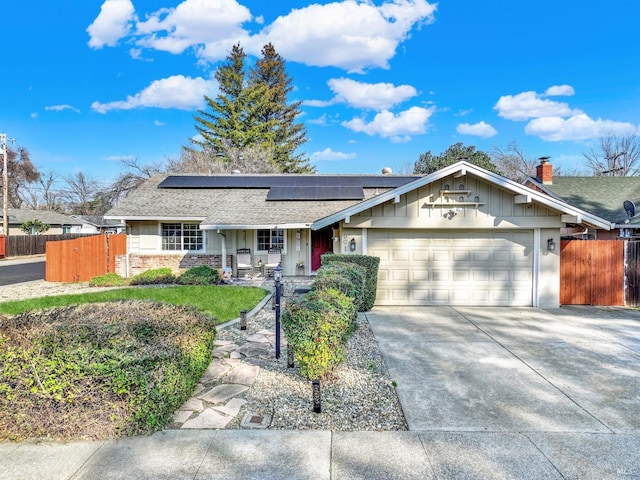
x=82 y=259
x=632 y=273
x=592 y=272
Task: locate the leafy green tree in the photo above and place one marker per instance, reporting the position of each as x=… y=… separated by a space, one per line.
x=278 y=114
x=429 y=163
x=34 y=226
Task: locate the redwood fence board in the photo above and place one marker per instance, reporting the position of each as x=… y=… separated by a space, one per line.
x=592 y=272
x=81 y=259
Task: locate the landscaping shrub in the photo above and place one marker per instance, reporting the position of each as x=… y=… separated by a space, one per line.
x=108 y=280
x=202 y=275
x=155 y=276
x=99 y=370
x=370 y=264
x=317 y=326
x=348 y=278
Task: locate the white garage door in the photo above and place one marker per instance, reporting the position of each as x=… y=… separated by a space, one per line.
x=453 y=268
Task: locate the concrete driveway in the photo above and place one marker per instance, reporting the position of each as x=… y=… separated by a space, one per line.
x=560 y=387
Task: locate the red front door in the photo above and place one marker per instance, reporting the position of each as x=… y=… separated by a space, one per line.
x=321 y=242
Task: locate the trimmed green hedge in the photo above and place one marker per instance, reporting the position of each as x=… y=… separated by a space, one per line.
x=201 y=275
x=317 y=327
x=154 y=276
x=348 y=278
x=370 y=264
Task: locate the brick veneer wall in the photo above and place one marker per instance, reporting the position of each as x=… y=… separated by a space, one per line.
x=177 y=263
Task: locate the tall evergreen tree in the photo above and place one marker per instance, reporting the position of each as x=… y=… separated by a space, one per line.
x=251 y=117
x=278 y=115
x=233 y=120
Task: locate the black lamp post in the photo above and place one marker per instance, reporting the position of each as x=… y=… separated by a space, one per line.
x=277 y=276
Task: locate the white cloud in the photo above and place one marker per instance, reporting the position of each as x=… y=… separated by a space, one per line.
x=348 y=34
x=112 y=23
x=214 y=25
x=60 y=108
x=577 y=127
x=480 y=129
x=158 y=123
x=399 y=128
x=526 y=105
x=560 y=90
x=180 y=92
x=34 y=115
x=374 y=96
x=328 y=154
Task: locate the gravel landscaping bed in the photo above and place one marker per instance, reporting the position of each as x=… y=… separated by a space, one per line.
x=359 y=396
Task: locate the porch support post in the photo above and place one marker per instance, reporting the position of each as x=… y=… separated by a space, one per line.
x=364 y=241
x=224 y=249
x=536 y=267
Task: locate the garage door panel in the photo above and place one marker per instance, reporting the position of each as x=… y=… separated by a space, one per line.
x=453 y=268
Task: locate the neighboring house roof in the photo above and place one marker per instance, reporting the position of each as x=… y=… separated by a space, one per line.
x=98 y=221
x=18 y=216
x=601 y=196
x=575 y=214
x=250 y=201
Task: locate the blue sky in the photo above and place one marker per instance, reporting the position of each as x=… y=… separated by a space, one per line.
x=86 y=83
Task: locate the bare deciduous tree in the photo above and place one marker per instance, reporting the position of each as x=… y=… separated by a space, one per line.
x=132 y=176
x=83 y=195
x=617 y=156
x=251 y=159
x=513 y=163
x=45 y=195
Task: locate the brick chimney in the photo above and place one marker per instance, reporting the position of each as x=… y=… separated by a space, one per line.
x=544 y=171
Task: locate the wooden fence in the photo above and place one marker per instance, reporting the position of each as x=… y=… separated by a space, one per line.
x=632 y=273
x=24 y=245
x=81 y=259
x=592 y=272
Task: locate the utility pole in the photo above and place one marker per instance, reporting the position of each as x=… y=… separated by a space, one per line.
x=5 y=186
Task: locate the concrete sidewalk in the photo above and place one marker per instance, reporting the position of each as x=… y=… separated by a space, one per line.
x=239 y=454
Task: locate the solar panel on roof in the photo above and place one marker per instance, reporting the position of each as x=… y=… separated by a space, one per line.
x=269 y=181
x=315 y=193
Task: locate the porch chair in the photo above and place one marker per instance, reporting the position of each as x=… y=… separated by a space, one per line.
x=274 y=258
x=243 y=260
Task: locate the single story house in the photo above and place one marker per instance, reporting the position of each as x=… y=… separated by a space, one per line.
x=57 y=222
x=458 y=236
x=97 y=224
x=610 y=198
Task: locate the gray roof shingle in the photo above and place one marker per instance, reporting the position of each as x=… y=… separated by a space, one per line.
x=18 y=216
x=602 y=196
x=234 y=206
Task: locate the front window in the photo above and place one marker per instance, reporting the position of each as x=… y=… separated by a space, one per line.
x=270 y=239
x=181 y=236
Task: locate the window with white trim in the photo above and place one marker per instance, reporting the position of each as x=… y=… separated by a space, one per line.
x=181 y=236
x=270 y=239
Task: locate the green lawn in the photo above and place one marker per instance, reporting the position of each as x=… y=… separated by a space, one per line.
x=220 y=301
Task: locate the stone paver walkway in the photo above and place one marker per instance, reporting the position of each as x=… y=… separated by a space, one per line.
x=218 y=396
